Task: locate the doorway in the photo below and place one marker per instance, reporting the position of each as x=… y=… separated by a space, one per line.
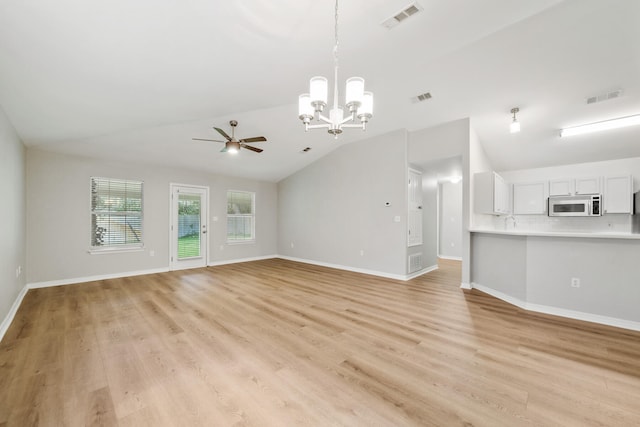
x=189 y=238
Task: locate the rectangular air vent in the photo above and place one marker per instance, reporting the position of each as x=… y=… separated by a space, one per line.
x=403 y=14
x=415 y=262
x=605 y=96
x=423 y=96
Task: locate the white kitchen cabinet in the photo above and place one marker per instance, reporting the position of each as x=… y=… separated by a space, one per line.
x=590 y=185
x=573 y=186
x=618 y=194
x=561 y=187
x=491 y=194
x=530 y=198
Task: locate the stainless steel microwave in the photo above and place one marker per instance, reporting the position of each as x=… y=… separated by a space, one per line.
x=584 y=205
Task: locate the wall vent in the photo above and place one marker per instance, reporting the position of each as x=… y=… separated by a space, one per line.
x=415 y=262
x=403 y=14
x=604 y=96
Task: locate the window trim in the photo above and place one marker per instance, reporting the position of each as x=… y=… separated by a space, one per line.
x=108 y=249
x=253 y=219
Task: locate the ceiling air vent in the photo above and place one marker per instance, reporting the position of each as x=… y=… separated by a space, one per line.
x=403 y=14
x=605 y=96
x=422 y=97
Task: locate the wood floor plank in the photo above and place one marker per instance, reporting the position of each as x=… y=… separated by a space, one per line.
x=274 y=342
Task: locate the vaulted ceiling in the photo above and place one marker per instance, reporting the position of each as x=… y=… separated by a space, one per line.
x=135 y=81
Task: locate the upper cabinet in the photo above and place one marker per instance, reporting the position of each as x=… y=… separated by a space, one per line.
x=530 y=198
x=491 y=194
x=618 y=194
x=570 y=187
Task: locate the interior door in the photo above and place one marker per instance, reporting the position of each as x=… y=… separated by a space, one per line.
x=189 y=237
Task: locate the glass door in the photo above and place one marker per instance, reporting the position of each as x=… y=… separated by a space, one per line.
x=189 y=238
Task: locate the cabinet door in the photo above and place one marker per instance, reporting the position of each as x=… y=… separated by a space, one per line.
x=501 y=195
x=618 y=194
x=561 y=187
x=529 y=198
x=589 y=185
x=490 y=194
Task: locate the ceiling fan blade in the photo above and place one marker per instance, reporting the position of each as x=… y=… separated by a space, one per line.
x=223 y=133
x=254 y=139
x=208 y=140
x=248 y=147
x=224 y=150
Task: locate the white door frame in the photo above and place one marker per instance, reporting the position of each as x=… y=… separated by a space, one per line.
x=203 y=261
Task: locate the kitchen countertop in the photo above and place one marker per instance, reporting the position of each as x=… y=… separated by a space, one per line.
x=580 y=234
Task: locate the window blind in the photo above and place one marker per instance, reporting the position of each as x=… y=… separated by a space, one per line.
x=116 y=213
x=240 y=216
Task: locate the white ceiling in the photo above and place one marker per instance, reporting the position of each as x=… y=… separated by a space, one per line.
x=137 y=80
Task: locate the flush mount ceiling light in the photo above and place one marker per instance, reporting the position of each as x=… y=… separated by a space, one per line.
x=515 y=124
x=620 y=122
x=357 y=101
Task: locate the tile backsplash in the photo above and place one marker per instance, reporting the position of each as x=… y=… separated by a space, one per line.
x=614 y=223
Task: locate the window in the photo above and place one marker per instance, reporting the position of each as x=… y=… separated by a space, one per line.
x=116 y=214
x=240 y=216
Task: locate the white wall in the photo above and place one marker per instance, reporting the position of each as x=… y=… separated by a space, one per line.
x=58 y=216
x=536 y=273
x=450 y=219
x=12 y=216
x=335 y=208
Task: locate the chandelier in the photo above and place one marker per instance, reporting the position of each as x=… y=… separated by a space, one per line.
x=358 y=102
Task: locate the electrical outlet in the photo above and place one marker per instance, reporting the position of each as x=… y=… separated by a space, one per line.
x=152 y=253
x=361 y=252
x=292 y=244
x=575 y=282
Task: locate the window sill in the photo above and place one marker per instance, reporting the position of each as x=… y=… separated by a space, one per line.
x=94 y=251
x=241 y=242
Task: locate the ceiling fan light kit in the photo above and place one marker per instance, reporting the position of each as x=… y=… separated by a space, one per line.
x=358 y=102
x=233 y=145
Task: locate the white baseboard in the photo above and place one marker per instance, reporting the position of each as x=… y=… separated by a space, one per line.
x=465 y=285
x=74 y=280
x=235 y=261
x=421 y=272
x=4 y=326
x=558 y=311
x=346 y=268
x=452 y=258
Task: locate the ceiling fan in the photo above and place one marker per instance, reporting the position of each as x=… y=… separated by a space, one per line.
x=233 y=145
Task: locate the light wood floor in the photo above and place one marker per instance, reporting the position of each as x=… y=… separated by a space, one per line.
x=278 y=343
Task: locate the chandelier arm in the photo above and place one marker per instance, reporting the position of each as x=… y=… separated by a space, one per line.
x=353 y=125
x=323 y=126
x=347 y=119
x=324 y=119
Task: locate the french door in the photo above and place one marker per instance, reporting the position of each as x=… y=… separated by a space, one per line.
x=189 y=226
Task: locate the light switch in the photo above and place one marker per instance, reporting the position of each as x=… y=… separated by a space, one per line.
x=396 y=218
